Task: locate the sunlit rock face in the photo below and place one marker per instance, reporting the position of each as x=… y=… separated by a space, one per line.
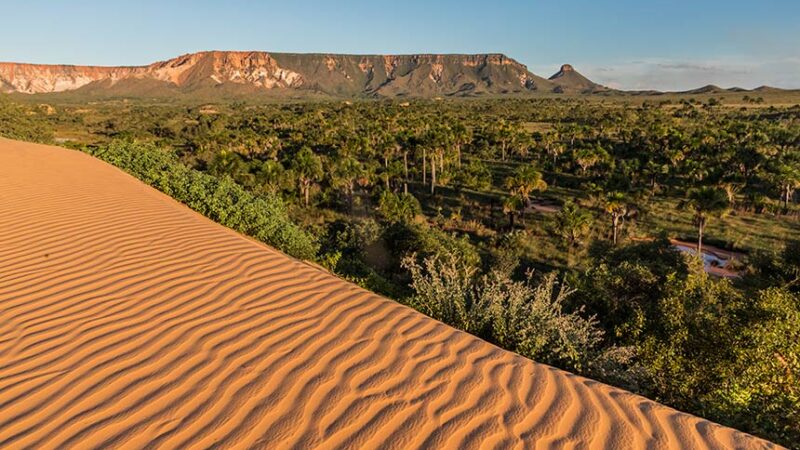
x=255 y=68
x=421 y=75
x=38 y=78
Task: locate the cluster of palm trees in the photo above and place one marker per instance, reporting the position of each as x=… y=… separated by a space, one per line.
x=429 y=153
x=624 y=151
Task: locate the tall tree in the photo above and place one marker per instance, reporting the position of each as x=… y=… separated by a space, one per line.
x=308 y=168
x=572 y=223
x=706 y=202
x=786 y=175
x=616 y=206
x=461 y=137
x=349 y=172
x=525 y=180
x=273 y=176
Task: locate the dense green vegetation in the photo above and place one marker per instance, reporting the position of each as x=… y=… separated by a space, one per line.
x=18 y=122
x=540 y=225
x=263 y=217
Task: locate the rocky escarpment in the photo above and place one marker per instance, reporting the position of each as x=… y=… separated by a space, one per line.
x=422 y=75
x=40 y=78
x=253 y=68
x=256 y=69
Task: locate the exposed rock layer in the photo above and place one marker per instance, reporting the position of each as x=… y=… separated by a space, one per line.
x=422 y=75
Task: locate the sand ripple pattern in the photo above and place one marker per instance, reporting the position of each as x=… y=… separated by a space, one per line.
x=129 y=321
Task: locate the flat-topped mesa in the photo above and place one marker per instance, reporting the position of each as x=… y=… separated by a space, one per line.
x=258 y=72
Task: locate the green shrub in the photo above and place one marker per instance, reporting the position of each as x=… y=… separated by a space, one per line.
x=521 y=316
x=398 y=207
x=263 y=217
x=17 y=122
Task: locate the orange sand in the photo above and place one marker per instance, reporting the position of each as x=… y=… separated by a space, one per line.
x=129 y=321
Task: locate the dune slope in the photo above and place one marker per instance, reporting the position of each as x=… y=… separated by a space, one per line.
x=129 y=321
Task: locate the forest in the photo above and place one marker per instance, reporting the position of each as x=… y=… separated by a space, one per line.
x=566 y=230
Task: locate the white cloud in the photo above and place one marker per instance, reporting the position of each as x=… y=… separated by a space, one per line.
x=679 y=75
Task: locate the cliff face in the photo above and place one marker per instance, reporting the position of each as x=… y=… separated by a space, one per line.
x=254 y=68
x=423 y=75
x=37 y=78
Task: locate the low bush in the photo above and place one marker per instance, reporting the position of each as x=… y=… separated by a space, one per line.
x=263 y=217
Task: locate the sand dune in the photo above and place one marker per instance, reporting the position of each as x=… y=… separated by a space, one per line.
x=129 y=321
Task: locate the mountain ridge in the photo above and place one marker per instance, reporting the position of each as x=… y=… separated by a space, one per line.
x=413 y=75
x=236 y=74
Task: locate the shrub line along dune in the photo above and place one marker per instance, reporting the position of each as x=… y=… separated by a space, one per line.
x=263 y=217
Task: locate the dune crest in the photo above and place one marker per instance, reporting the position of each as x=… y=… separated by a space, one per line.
x=129 y=321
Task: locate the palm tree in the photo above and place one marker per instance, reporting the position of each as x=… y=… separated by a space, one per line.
x=273 y=176
x=788 y=178
x=388 y=148
x=438 y=140
x=706 y=202
x=308 y=168
x=572 y=223
x=347 y=173
x=553 y=147
x=504 y=133
x=402 y=140
x=617 y=207
x=526 y=179
x=461 y=136
x=511 y=205
x=589 y=157
x=522 y=143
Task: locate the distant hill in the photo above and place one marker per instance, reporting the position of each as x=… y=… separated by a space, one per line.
x=708 y=89
x=768 y=89
x=568 y=80
x=713 y=89
x=284 y=74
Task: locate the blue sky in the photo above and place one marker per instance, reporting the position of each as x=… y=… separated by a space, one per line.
x=629 y=44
